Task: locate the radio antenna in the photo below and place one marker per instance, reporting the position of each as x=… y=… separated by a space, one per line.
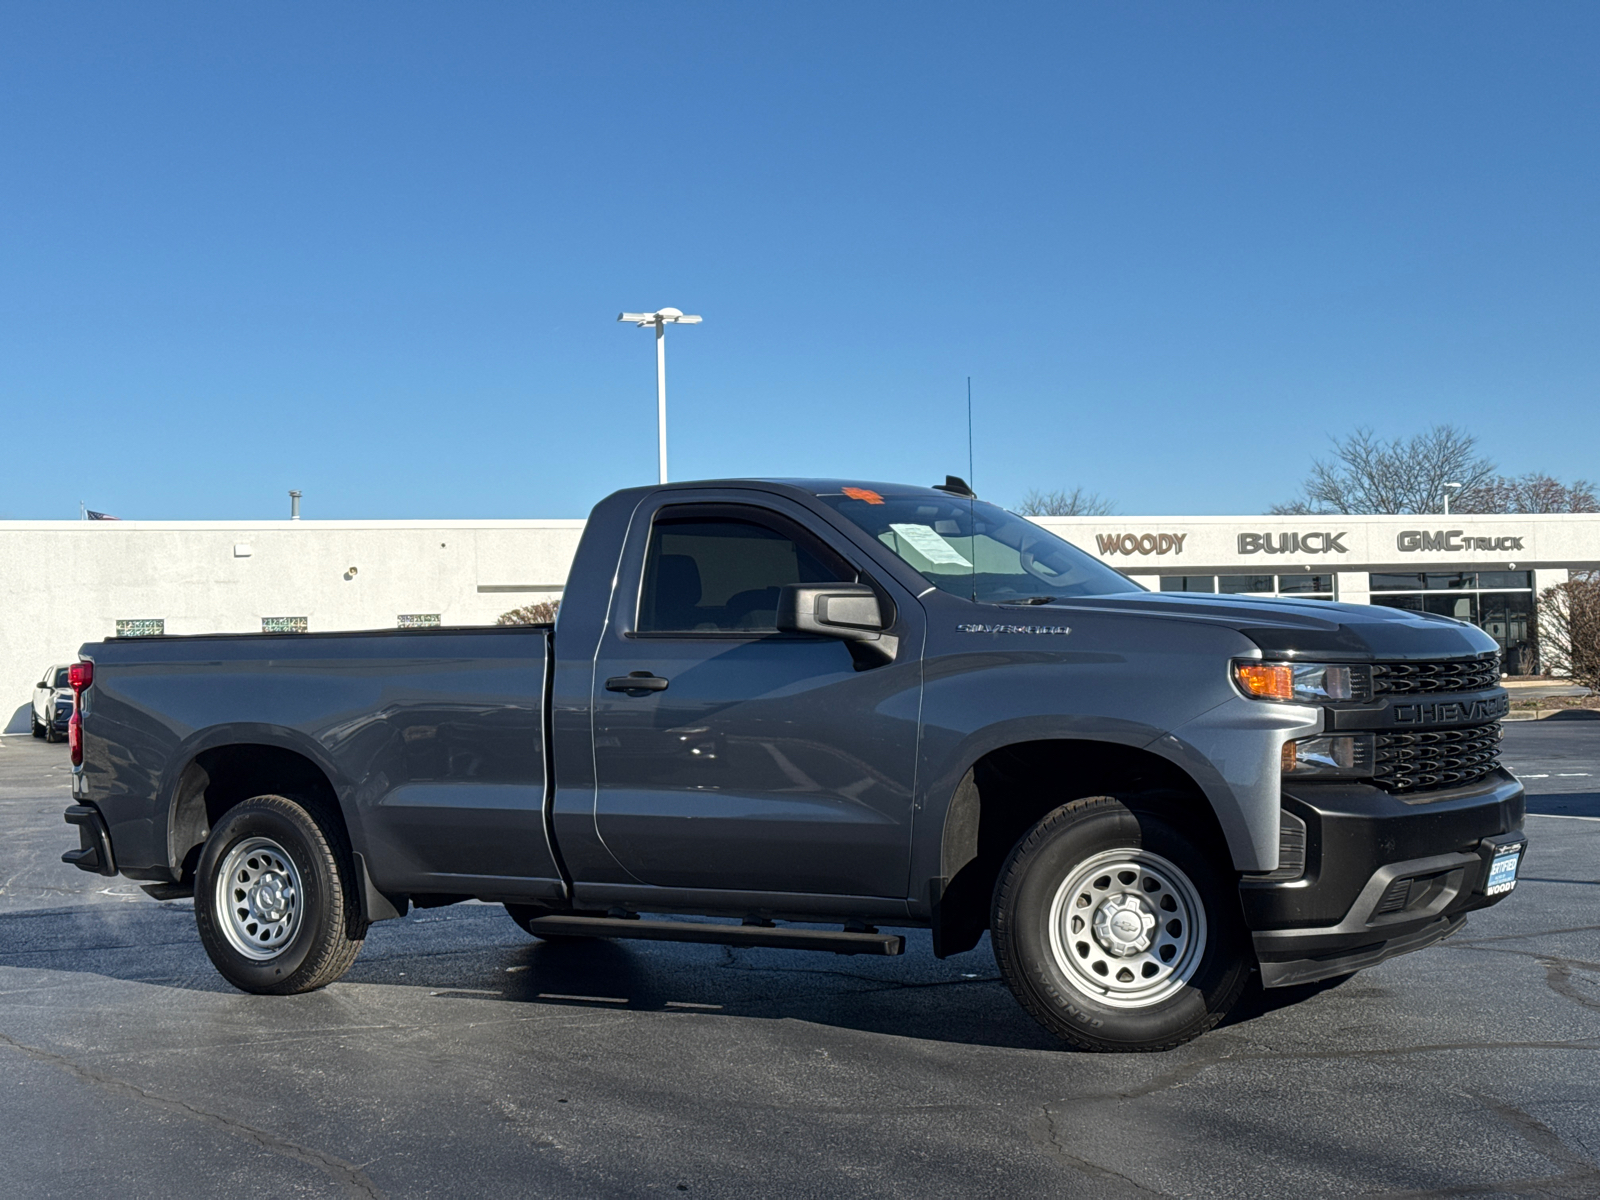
x=969 y=431
x=972 y=498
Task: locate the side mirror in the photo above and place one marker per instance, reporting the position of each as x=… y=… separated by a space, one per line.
x=846 y=611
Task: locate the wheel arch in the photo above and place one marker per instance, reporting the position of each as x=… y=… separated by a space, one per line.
x=215 y=777
x=1009 y=788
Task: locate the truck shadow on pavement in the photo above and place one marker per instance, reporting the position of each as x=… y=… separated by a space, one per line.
x=468 y=957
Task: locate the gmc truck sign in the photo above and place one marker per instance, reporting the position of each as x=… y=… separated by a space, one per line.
x=1409 y=541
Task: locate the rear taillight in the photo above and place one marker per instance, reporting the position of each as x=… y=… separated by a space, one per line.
x=80 y=675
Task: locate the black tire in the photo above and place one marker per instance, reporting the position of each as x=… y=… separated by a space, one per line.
x=33 y=724
x=271 y=843
x=50 y=735
x=523 y=913
x=1095 y=872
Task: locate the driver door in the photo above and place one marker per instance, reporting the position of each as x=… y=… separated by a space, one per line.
x=746 y=759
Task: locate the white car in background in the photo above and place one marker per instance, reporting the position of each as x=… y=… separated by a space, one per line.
x=52 y=705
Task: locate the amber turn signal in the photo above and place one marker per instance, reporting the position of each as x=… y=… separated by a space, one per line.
x=1270 y=681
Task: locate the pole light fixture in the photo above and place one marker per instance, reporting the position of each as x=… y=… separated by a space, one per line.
x=1447 y=487
x=660 y=320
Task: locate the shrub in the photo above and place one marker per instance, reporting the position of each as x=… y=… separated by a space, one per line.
x=1569 y=629
x=542 y=613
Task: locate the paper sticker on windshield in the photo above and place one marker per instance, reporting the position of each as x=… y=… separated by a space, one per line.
x=867 y=494
x=926 y=542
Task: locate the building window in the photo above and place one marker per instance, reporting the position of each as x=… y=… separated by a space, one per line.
x=1295 y=587
x=1244 y=585
x=283 y=624
x=1498 y=602
x=419 y=620
x=144 y=627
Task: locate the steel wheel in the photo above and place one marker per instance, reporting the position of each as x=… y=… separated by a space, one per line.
x=259 y=897
x=1127 y=928
x=1118 y=929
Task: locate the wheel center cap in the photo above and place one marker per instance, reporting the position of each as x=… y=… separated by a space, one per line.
x=1123 y=925
x=268 y=898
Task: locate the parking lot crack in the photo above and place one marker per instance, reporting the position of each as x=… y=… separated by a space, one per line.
x=1050 y=1143
x=1580 y=1176
x=353 y=1180
x=1558 y=975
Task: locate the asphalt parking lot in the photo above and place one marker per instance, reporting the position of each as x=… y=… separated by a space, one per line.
x=460 y=1058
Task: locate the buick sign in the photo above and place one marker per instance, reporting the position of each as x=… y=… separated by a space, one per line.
x=1293 y=543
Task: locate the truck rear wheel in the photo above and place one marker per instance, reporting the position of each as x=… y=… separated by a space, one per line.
x=1116 y=931
x=273 y=898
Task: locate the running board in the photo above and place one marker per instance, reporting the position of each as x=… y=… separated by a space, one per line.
x=784 y=938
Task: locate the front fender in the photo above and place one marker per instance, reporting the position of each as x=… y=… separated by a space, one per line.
x=1235 y=752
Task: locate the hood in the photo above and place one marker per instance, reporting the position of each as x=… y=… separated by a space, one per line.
x=1314 y=628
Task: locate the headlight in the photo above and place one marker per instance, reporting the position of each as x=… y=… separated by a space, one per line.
x=1344 y=755
x=1309 y=683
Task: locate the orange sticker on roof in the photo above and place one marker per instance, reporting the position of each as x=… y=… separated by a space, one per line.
x=867 y=494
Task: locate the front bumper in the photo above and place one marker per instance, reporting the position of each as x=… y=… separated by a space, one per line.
x=1384 y=875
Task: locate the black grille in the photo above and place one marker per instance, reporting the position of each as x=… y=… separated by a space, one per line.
x=1450 y=675
x=1437 y=758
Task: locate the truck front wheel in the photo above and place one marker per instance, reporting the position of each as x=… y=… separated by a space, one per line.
x=273 y=900
x=1117 y=931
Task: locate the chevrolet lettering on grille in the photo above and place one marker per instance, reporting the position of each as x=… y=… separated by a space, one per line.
x=1451 y=712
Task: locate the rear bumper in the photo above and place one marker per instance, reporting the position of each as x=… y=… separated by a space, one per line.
x=1384 y=875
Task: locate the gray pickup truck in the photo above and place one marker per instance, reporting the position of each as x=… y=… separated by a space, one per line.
x=788 y=704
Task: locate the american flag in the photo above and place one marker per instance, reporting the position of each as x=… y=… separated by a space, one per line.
x=94 y=516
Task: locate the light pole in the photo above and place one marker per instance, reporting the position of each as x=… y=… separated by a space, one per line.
x=660 y=319
x=1447 y=487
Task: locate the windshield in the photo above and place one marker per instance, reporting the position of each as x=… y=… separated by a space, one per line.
x=976 y=550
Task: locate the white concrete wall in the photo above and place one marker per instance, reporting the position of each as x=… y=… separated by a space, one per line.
x=63 y=583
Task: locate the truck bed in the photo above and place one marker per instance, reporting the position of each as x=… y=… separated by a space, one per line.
x=433 y=740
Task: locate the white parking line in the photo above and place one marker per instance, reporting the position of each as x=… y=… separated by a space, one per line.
x=1572 y=774
x=1562 y=817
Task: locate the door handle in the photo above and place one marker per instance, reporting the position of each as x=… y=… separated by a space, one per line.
x=636 y=681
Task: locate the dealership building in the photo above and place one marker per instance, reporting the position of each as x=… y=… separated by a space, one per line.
x=68 y=582
x=1488 y=570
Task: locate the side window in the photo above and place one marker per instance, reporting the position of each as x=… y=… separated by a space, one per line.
x=708 y=573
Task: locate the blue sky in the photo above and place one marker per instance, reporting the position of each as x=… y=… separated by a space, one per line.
x=376 y=251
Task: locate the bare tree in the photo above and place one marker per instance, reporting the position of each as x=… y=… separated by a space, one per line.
x=1369 y=475
x=1076 y=503
x=541 y=613
x=1535 y=492
x=1569 y=629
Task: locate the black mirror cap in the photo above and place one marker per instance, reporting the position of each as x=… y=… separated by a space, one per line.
x=848 y=611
